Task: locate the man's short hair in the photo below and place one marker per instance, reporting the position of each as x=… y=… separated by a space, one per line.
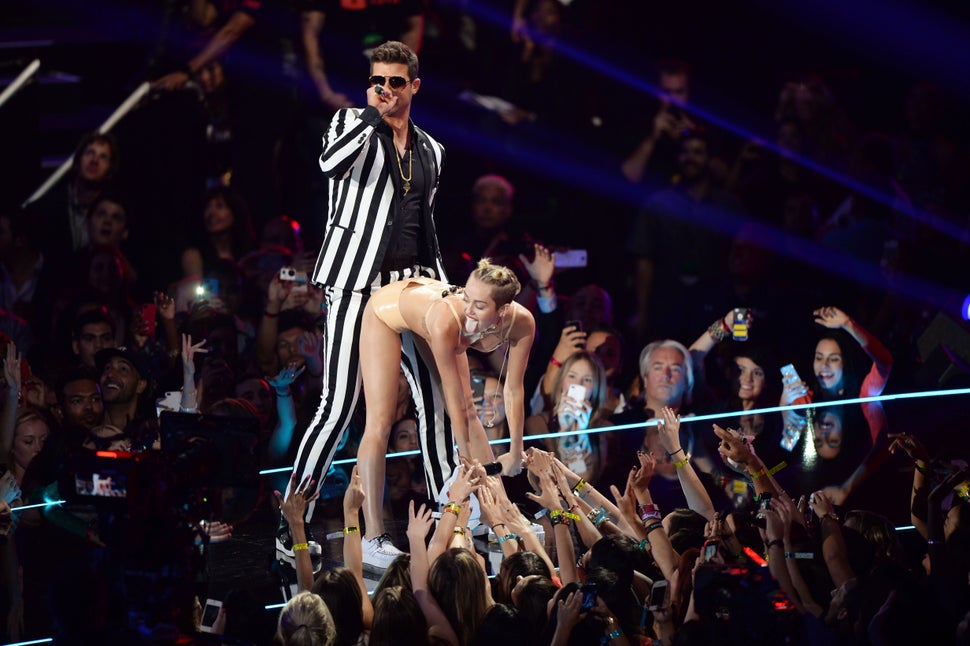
x=394 y=51
x=647 y=354
x=97 y=315
x=69 y=376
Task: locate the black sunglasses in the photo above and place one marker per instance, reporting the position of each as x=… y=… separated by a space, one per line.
x=396 y=82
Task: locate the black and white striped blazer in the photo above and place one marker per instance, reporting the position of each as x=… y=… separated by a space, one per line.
x=363 y=200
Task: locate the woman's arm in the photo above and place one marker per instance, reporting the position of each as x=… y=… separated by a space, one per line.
x=11 y=375
x=292 y=510
x=353 y=551
x=697 y=497
x=190 y=398
x=921 y=468
x=279 y=441
x=833 y=543
x=520 y=345
x=549 y=498
x=882 y=359
x=418 y=525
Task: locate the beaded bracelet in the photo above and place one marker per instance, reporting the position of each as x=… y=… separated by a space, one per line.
x=718 y=330
x=616 y=634
x=297 y=547
x=508 y=537
x=353 y=529
x=454 y=508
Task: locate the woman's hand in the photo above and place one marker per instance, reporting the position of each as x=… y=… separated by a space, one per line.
x=542 y=268
x=820 y=505
x=464 y=484
x=11 y=368
x=909 y=445
x=570 y=611
x=549 y=495
x=310 y=346
x=188 y=353
x=643 y=473
x=733 y=446
x=571 y=340
x=511 y=464
x=790 y=393
x=419 y=524
x=354 y=496
x=573 y=415
x=9 y=491
x=281 y=382
x=293 y=508
x=831 y=317
x=626 y=502
x=669 y=430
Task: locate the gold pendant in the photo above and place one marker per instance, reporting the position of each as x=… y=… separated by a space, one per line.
x=407 y=186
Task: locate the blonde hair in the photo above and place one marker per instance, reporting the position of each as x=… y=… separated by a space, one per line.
x=306 y=621
x=505 y=286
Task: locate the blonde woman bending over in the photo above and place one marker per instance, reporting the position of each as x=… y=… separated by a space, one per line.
x=445 y=321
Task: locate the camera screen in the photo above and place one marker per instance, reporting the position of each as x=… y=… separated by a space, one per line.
x=104 y=484
x=210 y=613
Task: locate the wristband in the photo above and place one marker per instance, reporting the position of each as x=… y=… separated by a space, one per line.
x=758 y=474
x=922 y=470
x=680 y=464
x=351 y=530
x=270 y=315
x=649 y=512
x=571 y=516
x=454 y=508
x=644 y=543
x=777 y=542
x=579 y=487
x=599 y=517
x=458 y=531
x=718 y=330
x=508 y=537
x=656 y=525
x=556 y=362
x=300 y=547
x=670 y=455
x=616 y=634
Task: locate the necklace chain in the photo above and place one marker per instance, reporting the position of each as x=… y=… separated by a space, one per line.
x=406 y=180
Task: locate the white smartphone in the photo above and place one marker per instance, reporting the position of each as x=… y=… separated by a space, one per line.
x=571 y=258
x=577 y=393
x=210 y=612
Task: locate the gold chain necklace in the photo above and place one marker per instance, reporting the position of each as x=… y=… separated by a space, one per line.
x=407 y=180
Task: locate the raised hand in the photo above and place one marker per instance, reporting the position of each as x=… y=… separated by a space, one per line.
x=733 y=445
x=831 y=317
x=295 y=504
x=189 y=350
x=542 y=268
x=287 y=376
x=354 y=496
x=11 y=368
x=165 y=305
x=643 y=473
x=669 y=430
x=419 y=523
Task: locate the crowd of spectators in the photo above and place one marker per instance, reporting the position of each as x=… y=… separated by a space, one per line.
x=132 y=288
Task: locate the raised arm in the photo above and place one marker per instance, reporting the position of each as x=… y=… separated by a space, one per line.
x=11 y=375
x=292 y=510
x=418 y=525
x=311 y=25
x=882 y=359
x=353 y=557
x=697 y=497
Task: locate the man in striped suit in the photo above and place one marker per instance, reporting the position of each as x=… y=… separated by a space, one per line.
x=383 y=173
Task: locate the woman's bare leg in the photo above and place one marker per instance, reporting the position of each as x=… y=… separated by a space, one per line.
x=380 y=364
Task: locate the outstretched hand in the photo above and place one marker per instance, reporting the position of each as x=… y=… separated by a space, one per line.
x=542 y=268
x=295 y=504
x=831 y=317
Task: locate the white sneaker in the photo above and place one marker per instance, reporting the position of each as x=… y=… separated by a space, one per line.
x=379 y=553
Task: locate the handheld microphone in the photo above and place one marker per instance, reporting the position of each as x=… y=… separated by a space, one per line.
x=378 y=90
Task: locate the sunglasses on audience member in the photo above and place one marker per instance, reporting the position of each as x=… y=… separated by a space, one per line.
x=397 y=82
